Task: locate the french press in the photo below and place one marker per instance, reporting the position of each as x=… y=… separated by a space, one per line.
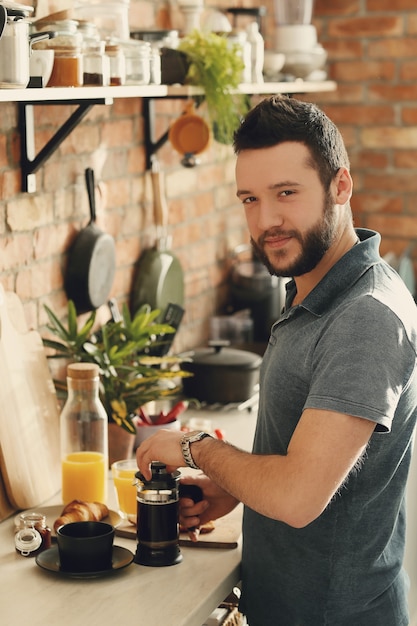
x=157 y=517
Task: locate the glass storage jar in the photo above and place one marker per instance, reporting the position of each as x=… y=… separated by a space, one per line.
x=117 y=64
x=68 y=62
x=138 y=62
x=95 y=64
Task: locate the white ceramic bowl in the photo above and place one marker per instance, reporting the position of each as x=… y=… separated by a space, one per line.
x=302 y=63
x=273 y=64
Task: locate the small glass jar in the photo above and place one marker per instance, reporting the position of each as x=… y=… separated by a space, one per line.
x=138 y=65
x=32 y=533
x=95 y=65
x=117 y=64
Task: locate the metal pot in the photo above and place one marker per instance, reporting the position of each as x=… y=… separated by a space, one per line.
x=16 y=45
x=221 y=375
x=253 y=288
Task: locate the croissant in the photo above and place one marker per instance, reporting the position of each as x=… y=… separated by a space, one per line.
x=80 y=511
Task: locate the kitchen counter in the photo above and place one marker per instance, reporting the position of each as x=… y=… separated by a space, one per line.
x=179 y=595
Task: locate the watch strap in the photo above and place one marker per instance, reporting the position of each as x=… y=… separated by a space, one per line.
x=186 y=441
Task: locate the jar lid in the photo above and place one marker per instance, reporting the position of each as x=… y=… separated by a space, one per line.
x=61 y=27
x=27 y=540
x=95 y=47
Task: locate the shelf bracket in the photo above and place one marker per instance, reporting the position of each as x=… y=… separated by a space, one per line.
x=31 y=162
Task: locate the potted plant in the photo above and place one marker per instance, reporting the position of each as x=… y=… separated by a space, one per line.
x=216 y=65
x=130 y=375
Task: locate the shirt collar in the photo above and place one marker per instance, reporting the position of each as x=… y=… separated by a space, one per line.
x=343 y=274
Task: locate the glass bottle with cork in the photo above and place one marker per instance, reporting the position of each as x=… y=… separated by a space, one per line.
x=84 y=447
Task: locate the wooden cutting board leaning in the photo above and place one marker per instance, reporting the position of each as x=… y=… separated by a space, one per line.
x=29 y=417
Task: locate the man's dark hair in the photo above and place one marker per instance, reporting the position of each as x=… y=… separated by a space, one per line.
x=279 y=118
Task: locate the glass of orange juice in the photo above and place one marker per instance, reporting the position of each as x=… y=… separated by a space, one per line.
x=84 y=477
x=124 y=481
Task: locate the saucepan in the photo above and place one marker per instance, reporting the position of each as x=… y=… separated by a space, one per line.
x=190 y=135
x=16 y=44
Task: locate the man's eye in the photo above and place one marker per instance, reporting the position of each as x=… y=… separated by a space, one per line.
x=248 y=200
x=286 y=192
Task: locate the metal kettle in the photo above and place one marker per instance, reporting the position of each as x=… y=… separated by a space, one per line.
x=157 y=517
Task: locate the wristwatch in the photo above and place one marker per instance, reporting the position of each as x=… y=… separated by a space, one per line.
x=186 y=441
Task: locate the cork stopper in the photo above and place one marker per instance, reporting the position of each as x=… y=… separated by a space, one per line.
x=82 y=371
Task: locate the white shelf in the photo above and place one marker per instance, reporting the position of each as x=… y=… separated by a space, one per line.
x=152 y=91
x=297 y=86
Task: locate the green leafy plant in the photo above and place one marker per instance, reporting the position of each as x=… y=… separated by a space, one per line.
x=216 y=64
x=130 y=376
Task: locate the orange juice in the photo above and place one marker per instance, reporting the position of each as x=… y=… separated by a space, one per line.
x=124 y=482
x=84 y=477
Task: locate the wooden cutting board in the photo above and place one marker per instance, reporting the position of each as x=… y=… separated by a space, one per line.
x=29 y=419
x=226 y=533
x=6 y=509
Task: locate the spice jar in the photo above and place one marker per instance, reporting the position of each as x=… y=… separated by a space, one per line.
x=32 y=533
x=117 y=64
x=95 y=64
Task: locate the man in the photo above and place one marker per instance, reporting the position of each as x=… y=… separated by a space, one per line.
x=324 y=519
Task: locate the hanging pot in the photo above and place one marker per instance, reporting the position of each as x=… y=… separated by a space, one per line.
x=16 y=45
x=221 y=375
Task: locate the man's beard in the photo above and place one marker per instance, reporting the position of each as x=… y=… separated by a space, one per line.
x=314 y=244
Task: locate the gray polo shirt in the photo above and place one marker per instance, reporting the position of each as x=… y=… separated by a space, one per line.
x=349 y=347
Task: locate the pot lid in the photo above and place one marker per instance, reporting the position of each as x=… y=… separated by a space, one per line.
x=218 y=355
x=13 y=8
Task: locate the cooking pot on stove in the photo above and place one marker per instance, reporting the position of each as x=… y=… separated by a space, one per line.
x=222 y=375
x=16 y=44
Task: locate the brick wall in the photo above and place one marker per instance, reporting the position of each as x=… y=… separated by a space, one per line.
x=372 y=51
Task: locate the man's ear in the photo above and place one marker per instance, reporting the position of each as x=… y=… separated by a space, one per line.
x=343 y=186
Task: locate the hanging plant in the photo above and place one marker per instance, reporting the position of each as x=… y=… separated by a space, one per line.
x=216 y=65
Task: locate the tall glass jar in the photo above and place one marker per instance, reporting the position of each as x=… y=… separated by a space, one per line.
x=117 y=64
x=95 y=64
x=84 y=447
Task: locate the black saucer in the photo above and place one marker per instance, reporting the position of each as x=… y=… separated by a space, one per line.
x=49 y=560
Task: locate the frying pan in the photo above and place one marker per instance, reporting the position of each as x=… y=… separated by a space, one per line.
x=189 y=135
x=159 y=279
x=91 y=260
